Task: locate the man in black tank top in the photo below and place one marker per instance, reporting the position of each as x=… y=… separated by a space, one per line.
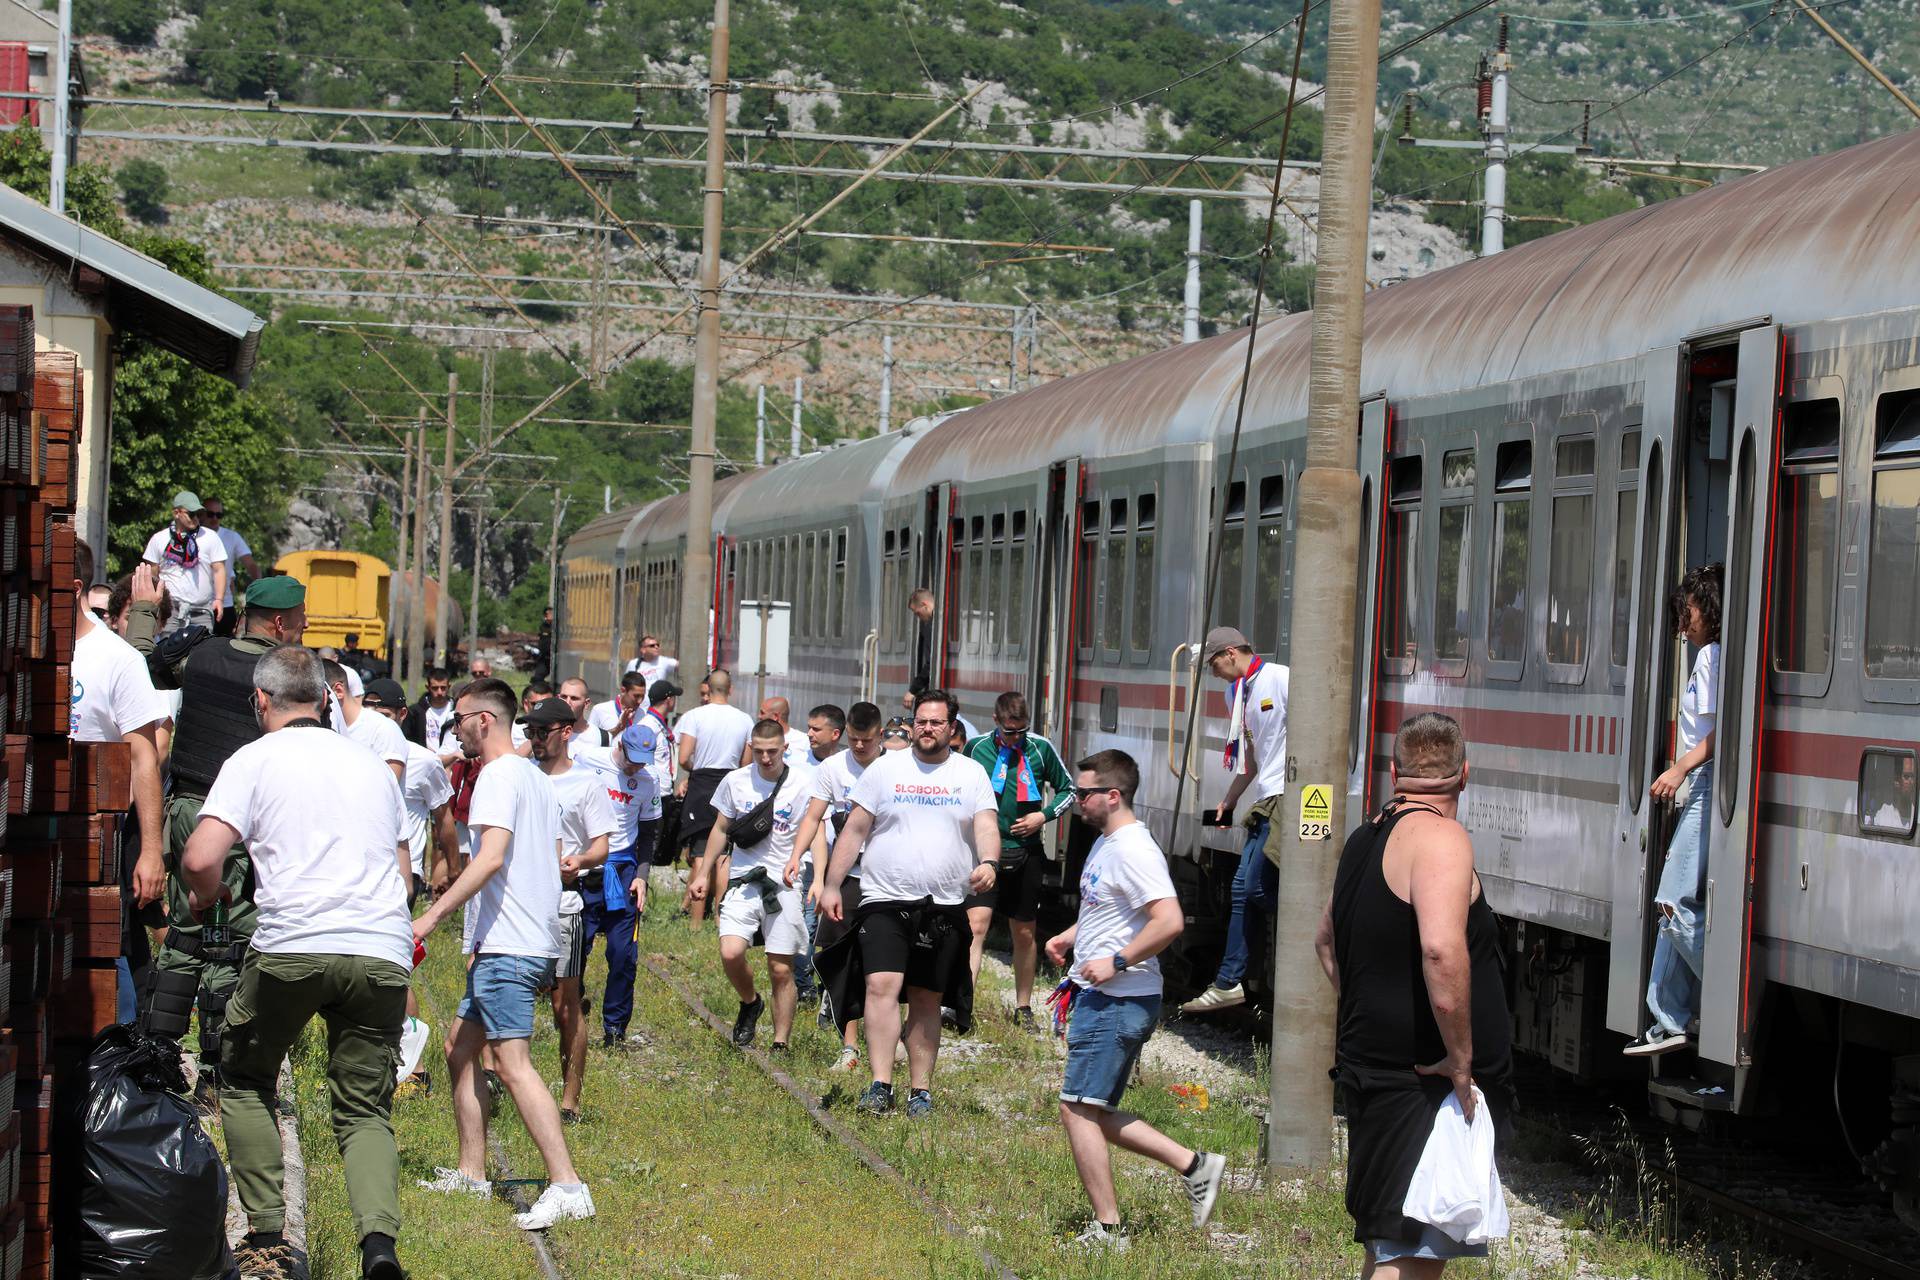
x=1413 y=952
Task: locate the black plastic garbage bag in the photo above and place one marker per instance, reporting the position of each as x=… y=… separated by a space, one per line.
x=153 y=1192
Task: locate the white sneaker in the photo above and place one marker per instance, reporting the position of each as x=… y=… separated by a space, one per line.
x=1214 y=999
x=556 y=1204
x=1652 y=1046
x=452 y=1180
x=1100 y=1237
x=1203 y=1185
x=848 y=1061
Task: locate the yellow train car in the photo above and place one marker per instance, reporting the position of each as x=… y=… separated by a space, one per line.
x=347 y=594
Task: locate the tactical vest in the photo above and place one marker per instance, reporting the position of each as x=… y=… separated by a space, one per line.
x=216 y=710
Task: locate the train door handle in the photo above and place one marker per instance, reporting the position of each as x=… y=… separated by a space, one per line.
x=1174 y=763
x=1706 y=915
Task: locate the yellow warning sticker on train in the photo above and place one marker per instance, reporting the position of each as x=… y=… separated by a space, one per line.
x=1316 y=811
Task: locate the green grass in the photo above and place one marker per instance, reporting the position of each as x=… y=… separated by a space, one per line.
x=701 y=1166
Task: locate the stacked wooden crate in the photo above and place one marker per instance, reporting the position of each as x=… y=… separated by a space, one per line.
x=60 y=900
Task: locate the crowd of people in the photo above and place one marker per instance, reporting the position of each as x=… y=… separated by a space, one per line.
x=866 y=857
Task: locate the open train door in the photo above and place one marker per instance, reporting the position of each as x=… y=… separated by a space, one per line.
x=1050 y=694
x=1729 y=995
x=1641 y=826
x=1375 y=426
x=932 y=569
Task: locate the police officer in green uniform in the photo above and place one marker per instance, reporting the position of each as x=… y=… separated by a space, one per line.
x=200 y=960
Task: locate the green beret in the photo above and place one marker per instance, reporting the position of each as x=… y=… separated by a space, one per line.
x=277 y=592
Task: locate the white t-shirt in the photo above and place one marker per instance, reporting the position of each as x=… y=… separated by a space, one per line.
x=1266 y=729
x=606 y=715
x=719 y=731
x=799 y=752
x=1125 y=873
x=629 y=793
x=193 y=586
x=833 y=782
x=648 y=744
x=437 y=720
x=515 y=912
x=426 y=789
x=736 y=797
x=1700 y=704
x=328 y=879
x=585 y=813
x=236 y=547
x=661 y=668
x=380 y=735
x=111 y=693
x=922 y=839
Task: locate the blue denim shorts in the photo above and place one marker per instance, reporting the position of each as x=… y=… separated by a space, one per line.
x=501 y=992
x=1433 y=1244
x=1104 y=1040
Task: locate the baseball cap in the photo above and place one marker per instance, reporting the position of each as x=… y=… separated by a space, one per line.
x=548 y=711
x=384 y=692
x=660 y=690
x=1221 y=639
x=187 y=499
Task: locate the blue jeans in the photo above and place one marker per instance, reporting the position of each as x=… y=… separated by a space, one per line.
x=1256 y=888
x=501 y=991
x=125 y=999
x=803 y=963
x=623 y=956
x=1104 y=1039
x=1673 y=987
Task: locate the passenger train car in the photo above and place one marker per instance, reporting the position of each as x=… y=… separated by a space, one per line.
x=1554 y=435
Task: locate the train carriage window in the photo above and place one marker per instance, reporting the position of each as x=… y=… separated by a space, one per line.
x=1453 y=575
x=1625 y=530
x=1017 y=585
x=1399 y=568
x=1270 y=563
x=1893 y=571
x=1887 y=791
x=823 y=586
x=1140 y=615
x=1570 y=557
x=996 y=579
x=976 y=585
x=1512 y=520
x=1113 y=636
x=1233 y=558
x=1087 y=574
x=889 y=590
x=802 y=581
x=840 y=584
x=1806 y=542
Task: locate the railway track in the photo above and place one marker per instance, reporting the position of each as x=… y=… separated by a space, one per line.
x=1814 y=1211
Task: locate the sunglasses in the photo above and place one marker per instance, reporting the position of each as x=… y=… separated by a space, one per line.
x=1081 y=793
x=459 y=716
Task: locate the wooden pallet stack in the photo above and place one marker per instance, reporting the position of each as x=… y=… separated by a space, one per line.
x=60 y=901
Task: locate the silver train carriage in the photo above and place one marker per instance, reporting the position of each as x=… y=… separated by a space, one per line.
x=1556 y=433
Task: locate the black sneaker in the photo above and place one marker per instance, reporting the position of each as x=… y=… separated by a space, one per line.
x=568 y=1116
x=876 y=1101
x=749 y=1019
x=919 y=1104
x=1023 y=1019
x=778 y=1048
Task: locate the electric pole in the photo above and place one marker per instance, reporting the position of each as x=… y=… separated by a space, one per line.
x=553 y=560
x=1190 y=326
x=1326 y=547
x=62 y=108
x=1493 y=218
x=793 y=440
x=417 y=597
x=397 y=626
x=760 y=428
x=479 y=564
x=696 y=600
x=443 y=655
x=886 y=383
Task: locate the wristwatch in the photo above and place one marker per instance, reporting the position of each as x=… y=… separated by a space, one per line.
x=1120 y=962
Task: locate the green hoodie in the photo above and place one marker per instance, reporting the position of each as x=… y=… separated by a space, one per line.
x=1048 y=771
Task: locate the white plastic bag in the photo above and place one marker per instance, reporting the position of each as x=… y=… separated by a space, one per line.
x=1456 y=1186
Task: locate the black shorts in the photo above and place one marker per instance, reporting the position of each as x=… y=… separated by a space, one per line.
x=1016 y=891
x=827 y=932
x=890 y=942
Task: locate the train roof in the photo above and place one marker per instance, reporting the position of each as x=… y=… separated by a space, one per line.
x=824 y=482
x=1820 y=238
